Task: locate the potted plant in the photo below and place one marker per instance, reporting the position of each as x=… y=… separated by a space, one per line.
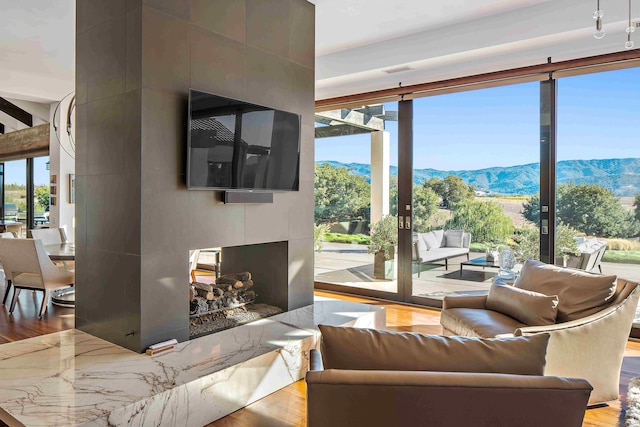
x=384 y=239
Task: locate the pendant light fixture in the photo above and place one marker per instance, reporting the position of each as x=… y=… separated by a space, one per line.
x=597 y=15
x=630 y=29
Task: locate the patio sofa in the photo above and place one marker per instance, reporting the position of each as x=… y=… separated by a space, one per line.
x=379 y=378
x=438 y=245
x=587 y=315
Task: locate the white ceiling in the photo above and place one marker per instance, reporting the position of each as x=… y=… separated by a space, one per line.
x=355 y=41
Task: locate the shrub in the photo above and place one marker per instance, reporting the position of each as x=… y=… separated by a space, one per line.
x=319 y=230
x=384 y=236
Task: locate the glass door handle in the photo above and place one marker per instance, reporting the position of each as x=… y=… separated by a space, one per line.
x=400 y=222
x=407 y=224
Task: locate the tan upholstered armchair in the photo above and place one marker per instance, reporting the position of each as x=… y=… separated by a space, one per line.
x=590 y=347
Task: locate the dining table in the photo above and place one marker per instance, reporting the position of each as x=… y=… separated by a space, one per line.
x=62 y=252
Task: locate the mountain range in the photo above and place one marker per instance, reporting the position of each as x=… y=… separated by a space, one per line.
x=622 y=176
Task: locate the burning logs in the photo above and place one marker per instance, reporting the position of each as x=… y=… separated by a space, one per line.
x=229 y=291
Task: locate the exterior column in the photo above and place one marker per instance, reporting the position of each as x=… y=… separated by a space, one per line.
x=379 y=175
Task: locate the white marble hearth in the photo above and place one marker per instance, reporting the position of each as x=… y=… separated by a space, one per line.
x=71 y=378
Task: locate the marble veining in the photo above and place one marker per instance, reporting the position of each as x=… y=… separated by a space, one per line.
x=72 y=378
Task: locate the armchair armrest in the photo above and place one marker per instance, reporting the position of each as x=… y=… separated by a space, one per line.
x=465 y=302
x=466 y=240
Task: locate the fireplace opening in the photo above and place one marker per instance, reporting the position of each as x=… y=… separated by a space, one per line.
x=236 y=285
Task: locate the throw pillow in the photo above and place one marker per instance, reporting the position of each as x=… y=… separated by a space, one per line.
x=430 y=240
x=422 y=245
x=370 y=349
x=453 y=238
x=439 y=235
x=531 y=308
x=579 y=293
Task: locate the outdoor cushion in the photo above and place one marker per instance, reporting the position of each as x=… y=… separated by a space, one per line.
x=579 y=293
x=370 y=349
x=442 y=253
x=422 y=245
x=439 y=234
x=430 y=240
x=453 y=238
x=531 y=308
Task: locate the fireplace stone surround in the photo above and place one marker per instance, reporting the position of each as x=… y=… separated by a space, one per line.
x=135 y=218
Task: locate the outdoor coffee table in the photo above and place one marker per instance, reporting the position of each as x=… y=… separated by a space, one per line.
x=479 y=262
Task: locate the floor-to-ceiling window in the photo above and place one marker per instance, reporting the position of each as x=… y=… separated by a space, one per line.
x=15 y=192
x=41 y=191
x=598 y=173
x=475 y=167
x=480 y=157
x=16 y=182
x=356 y=194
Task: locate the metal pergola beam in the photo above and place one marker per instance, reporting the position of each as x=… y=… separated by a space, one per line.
x=16 y=112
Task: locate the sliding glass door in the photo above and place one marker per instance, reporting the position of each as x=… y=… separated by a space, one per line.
x=598 y=179
x=475 y=169
x=356 y=193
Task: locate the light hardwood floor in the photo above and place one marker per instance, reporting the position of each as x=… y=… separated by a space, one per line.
x=287 y=407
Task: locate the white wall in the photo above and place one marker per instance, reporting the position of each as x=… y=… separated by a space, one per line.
x=62 y=164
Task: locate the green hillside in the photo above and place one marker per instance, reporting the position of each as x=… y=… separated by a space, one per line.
x=622 y=176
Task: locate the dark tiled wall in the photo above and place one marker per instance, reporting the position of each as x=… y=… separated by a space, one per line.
x=136 y=221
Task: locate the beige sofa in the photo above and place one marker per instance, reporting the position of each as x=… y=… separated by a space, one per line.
x=377 y=378
x=590 y=345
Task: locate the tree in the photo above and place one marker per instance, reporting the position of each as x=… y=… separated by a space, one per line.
x=595 y=211
x=531 y=209
x=425 y=204
x=486 y=221
x=637 y=206
x=42 y=196
x=340 y=194
x=451 y=189
x=590 y=209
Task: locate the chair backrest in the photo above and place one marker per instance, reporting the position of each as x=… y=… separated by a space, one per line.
x=7 y=235
x=21 y=256
x=49 y=236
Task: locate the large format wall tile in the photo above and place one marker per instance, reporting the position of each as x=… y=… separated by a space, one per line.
x=164 y=132
x=105 y=59
x=165 y=52
x=268 y=25
x=224 y=17
x=226 y=79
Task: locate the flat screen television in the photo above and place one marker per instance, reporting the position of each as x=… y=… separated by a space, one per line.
x=235 y=145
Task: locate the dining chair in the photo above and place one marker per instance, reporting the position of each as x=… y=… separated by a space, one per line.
x=7 y=283
x=49 y=236
x=27 y=266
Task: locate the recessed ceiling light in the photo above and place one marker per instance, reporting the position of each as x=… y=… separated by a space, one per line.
x=397 y=69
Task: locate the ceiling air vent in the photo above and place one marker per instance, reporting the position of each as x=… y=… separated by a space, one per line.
x=397 y=69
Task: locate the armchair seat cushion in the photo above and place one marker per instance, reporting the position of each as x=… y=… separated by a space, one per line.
x=481 y=323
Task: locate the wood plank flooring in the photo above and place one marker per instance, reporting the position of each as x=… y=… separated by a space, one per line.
x=287 y=407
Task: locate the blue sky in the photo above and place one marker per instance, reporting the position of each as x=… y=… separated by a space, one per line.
x=598 y=118
x=15 y=171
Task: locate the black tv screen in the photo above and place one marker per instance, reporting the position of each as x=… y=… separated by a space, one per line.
x=235 y=145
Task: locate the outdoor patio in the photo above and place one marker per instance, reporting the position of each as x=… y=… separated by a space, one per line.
x=351 y=265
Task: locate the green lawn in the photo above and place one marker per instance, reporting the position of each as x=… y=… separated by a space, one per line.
x=360 y=239
x=624 y=257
